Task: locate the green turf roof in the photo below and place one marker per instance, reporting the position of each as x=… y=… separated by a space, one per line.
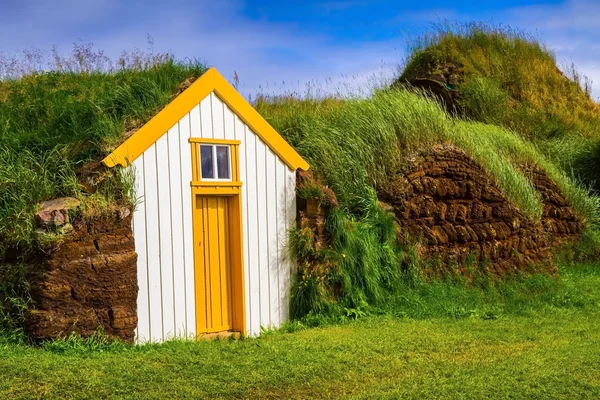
x=51 y=124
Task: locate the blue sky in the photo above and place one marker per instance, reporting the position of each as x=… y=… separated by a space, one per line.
x=277 y=46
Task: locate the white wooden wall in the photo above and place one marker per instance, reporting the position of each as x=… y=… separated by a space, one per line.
x=162 y=226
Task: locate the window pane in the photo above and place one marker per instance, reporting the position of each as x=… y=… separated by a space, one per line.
x=206 y=162
x=223 y=162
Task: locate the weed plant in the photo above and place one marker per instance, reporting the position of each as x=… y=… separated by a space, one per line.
x=15 y=300
x=359 y=265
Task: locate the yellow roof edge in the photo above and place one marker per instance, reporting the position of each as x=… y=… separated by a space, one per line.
x=210 y=81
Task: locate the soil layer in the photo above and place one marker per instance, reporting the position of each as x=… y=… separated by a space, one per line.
x=451 y=204
x=89 y=283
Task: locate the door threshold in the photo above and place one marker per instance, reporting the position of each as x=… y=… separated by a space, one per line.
x=218 y=335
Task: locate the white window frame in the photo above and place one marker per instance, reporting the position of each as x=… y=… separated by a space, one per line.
x=214 y=159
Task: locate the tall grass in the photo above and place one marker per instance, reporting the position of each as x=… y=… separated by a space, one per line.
x=85 y=113
x=15 y=300
x=358 y=267
x=26 y=178
x=355 y=145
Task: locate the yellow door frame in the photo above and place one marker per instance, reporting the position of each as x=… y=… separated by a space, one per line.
x=231 y=189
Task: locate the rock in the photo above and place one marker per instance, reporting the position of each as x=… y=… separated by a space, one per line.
x=61 y=203
x=124 y=212
x=55 y=212
x=440 y=236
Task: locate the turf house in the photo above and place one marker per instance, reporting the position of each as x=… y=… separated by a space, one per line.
x=204 y=251
x=156 y=203
x=217 y=188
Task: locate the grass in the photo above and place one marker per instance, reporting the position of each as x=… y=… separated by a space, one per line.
x=78 y=111
x=355 y=145
x=53 y=122
x=519 y=110
x=510 y=78
x=541 y=342
x=362 y=256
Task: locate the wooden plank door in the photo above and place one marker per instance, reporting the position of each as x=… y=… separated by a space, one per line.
x=213 y=264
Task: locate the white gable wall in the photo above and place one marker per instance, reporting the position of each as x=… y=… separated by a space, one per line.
x=162 y=225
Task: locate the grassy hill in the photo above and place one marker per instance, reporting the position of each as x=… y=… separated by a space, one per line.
x=510 y=78
x=515 y=109
x=354 y=145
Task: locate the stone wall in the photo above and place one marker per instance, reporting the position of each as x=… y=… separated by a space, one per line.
x=452 y=204
x=558 y=218
x=89 y=282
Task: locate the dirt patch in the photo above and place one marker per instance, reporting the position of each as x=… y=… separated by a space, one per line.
x=448 y=201
x=89 y=282
x=314 y=201
x=442 y=81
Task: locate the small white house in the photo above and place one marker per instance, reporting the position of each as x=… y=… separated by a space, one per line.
x=216 y=185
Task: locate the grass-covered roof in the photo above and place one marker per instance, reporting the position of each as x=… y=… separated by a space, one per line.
x=510 y=78
x=54 y=122
x=356 y=144
x=517 y=107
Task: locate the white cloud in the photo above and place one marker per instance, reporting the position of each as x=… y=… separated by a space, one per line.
x=579 y=15
x=268 y=57
x=275 y=57
x=570 y=29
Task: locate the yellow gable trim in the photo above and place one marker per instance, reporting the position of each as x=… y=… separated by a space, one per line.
x=210 y=81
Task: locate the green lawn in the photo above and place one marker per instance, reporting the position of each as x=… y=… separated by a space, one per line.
x=549 y=349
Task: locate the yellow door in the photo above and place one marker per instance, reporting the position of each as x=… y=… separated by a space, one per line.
x=213 y=265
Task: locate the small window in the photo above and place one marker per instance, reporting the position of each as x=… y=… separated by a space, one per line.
x=206 y=157
x=215 y=162
x=223 y=162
